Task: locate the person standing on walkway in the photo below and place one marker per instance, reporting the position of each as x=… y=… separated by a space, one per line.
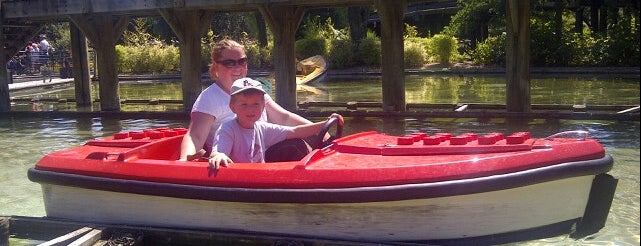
x=34 y=54
x=45 y=49
x=211 y=109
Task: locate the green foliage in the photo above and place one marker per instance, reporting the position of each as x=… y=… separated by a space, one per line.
x=474 y=17
x=369 y=50
x=267 y=56
x=337 y=16
x=547 y=46
x=316 y=36
x=147 y=58
x=341 y=53
x=138 y=35
x=490 y=51
x=311 y=46
x=582 y=45
x=259 y=57
x=443 y=47
x=234 y=25
x=410 y=31
x=58 y=35
x=121 y=57
x=620 y=45
x=415 y=55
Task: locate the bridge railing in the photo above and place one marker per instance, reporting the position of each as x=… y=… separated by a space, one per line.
x=41 y=64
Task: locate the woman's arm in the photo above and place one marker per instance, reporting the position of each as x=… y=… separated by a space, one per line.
x=196 y=135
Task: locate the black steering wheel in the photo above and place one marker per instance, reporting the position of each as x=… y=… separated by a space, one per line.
x=318 y=142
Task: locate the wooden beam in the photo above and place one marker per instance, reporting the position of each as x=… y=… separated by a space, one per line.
x=518 y=97
x=88 y=239
x=283 y=22
x=5 y=103
x=104 y=30
x=392 y=53
x=47 y=8
x=80 y=61
x=65 y=239
x=189 y=26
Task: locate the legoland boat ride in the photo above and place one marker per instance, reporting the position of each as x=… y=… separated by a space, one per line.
x=367 y=186
x=312 y=69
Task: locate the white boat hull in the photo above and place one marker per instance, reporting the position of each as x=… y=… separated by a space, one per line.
x=451 y=217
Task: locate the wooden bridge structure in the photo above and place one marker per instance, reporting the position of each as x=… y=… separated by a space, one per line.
x=103 y=21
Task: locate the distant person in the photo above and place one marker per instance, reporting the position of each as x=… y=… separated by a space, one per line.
x=46 y=73
x=34 y=55
x=44 y=44
x=12 y=65
x=211 y=109
x=45 y=50
x=245 y=138
x=22 y=67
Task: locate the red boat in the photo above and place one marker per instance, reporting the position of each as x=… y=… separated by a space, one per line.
x=368 y=186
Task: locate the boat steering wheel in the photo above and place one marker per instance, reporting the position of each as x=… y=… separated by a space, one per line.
x=318 y=143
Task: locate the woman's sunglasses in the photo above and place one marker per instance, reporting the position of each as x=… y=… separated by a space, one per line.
x=229 y=63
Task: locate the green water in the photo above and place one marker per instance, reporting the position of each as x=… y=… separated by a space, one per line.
x=419 y=89
x=27 y=139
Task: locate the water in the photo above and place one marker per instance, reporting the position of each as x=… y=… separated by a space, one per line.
x=419 y=89
x=26 y=139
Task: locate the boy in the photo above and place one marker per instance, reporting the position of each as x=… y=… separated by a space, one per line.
x=245 y=138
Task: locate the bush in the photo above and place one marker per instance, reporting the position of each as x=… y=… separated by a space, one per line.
x=267 y=56
x=369 y=50
x=121 y=57
x=259 y=57
x=490 y=51
x=205 y=56
x=308 y=47
x=341 y=53
x=582 y=49
x=548 y=48
x=620 y=45
x=147 y=58
x=414 y=55
x=443 y=47
x=253 y=55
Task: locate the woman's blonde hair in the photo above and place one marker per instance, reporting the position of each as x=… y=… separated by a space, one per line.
x=217 y=51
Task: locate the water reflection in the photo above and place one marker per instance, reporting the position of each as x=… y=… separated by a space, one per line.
x=434 y=89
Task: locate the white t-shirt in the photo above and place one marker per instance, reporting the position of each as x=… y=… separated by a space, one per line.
x=214 y=101
x=44 y=45
x=248 y=145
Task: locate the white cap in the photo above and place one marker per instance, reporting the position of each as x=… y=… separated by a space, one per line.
x=244 y=84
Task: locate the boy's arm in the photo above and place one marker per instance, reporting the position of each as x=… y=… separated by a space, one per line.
x=303 y=131
x=222 y=145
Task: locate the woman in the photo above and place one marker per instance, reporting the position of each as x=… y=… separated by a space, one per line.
x=229 y=63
